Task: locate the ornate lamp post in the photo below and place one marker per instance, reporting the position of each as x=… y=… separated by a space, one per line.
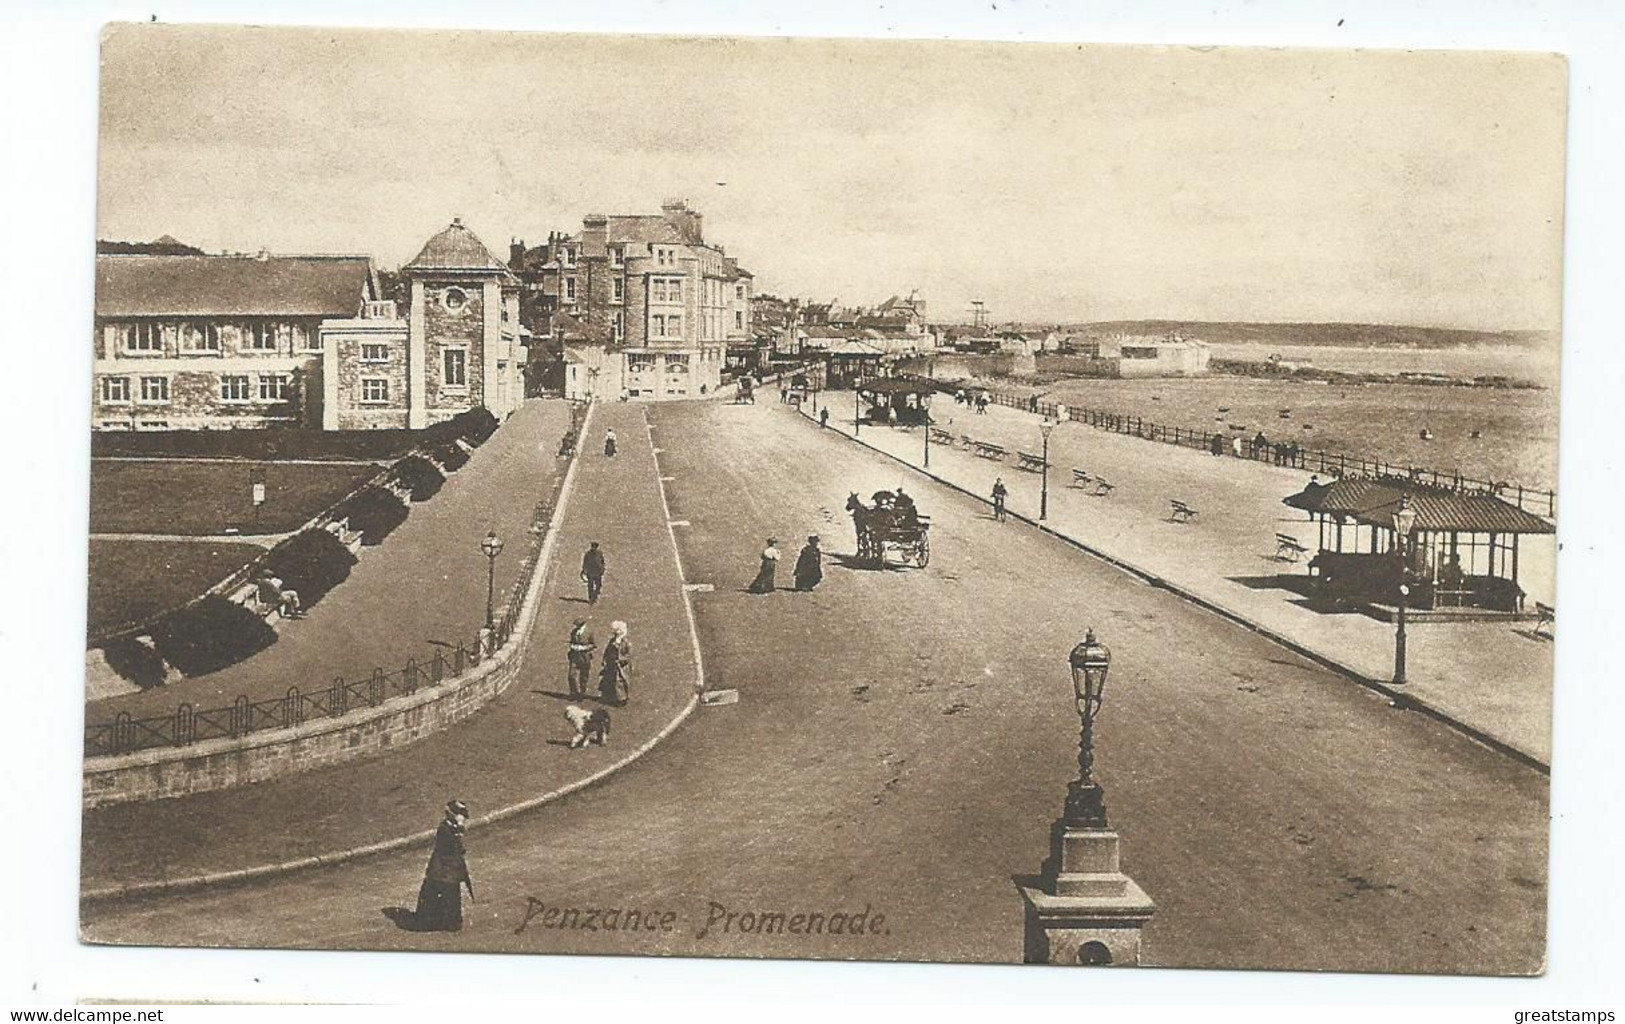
x=1404 y=523
x=492 y=546
x=925 y=411
x=1083 y=909
x=1046 y=428
x=1085 y=800
x=857 y=418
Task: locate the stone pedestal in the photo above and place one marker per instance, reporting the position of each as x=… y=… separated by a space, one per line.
x=1085 y=910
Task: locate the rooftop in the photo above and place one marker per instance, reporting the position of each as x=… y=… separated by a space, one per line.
x=1374 y=503
x=456 y=249
x=326 y=286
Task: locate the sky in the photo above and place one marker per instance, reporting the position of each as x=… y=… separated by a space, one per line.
x=1052 y=182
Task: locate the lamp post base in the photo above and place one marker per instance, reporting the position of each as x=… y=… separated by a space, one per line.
x=1084 y=910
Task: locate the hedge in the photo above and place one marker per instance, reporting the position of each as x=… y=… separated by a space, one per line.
x=475 y=426
x=273 y=443
x=374 y=512
x=450 y=456
x=209 y=635
x=135 y=662
x=312 y=563
x=419 y=476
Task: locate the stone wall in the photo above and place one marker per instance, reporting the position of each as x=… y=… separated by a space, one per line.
x=453 y=328
x=343 y=370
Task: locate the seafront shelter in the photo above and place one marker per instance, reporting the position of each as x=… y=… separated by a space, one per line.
x=902 y=395
x=1463 y=549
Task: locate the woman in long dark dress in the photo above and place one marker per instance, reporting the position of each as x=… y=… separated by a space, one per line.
x=440 y=900
x=763 y=583
x=809 y=565
x=615 y=674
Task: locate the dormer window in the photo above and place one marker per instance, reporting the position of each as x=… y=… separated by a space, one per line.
x=665 y=256
x=617 y=256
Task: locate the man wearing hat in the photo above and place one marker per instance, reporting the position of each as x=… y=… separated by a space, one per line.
x=582 y=644
x=440 y=900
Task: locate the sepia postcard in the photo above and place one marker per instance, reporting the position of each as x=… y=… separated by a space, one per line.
x=826 y=499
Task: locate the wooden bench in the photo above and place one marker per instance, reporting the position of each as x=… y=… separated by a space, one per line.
x=1030 y=462
x=966 y=442
x=1081 y=478
x=940 y=436
x=1181 y=512
x=989 y=451
x=1288 y=549
x=1545 y=616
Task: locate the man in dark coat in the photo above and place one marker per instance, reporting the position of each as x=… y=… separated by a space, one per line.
x=809 y=565
x=582 y=644
x=592 y=572
x=440 y=900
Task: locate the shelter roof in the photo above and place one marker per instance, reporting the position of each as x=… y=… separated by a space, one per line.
x=1374 y=503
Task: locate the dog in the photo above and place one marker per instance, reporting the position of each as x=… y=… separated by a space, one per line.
x=590 y=726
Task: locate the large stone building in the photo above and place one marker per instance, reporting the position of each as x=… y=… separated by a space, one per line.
x=640 y=305
x=217 y=342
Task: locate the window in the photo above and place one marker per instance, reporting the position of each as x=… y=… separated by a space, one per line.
x=617 y=290
x=617 y=256
x=739 y=291
x=374 y=390
x=456 y=363
x=641 y=363
x=569 y=255
x=455 y=300
x=665 y=289
x=620 y=325
x=155 y=389
x=374 y=352
x=305 y=337
x=665 y=257
x=234 y=387
x=154 y=424
x=143 y=337
x=273 y=387
x=569 y=289
x=260 y=336
x=200 y=337
x=739 y=320
x=677 y=363
x=115 y=390
x=674 y=325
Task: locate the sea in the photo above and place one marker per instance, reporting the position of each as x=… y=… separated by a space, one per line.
x=1492 y=434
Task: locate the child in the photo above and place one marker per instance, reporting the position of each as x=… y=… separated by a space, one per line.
x=590 y=726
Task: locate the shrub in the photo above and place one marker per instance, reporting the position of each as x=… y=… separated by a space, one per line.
x=476 y=426
x=450 y=456
x=312 y=562
x=374 y=512
x=136 y=662
x=211 y=634
x=419 y=476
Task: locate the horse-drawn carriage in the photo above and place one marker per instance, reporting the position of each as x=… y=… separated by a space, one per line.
x=891 y=522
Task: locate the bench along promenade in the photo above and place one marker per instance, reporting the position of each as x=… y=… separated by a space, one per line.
x=1215 y=529
x=507 y=754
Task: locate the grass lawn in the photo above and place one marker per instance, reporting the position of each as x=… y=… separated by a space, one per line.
x=134 y=580
x=204 y=498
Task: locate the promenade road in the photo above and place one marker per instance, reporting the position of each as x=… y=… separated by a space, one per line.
x=903 y=741
x=1495 y=677
x=511 y=750
x=423 y=586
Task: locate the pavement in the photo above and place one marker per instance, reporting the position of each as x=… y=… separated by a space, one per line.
x=510 y=752
x=424 y=587
x=1493 y=678
x=902 y=742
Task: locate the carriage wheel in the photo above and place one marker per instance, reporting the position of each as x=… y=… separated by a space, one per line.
x=922 y=551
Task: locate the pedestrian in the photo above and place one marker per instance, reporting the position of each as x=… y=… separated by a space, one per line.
x=590 y=726
x=609 y=443
x=289 y=607
x=823 y=417
x=1259 y=444
x=999 y=494
x=592 y=572
x=784 y=393
x=891 y=415
x=763 y=583
x=1235 y=446
x=615 y=673
x=440 y=900
x=1217 y=445
x=809 y=565
x=579 y=657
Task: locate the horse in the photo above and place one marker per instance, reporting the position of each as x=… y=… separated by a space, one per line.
x=871 y=524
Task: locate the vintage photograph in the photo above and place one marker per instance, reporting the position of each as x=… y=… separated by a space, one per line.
x=985 y=502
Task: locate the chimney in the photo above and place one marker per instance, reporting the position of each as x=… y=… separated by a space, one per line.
x=516 y=254
x=594 y=234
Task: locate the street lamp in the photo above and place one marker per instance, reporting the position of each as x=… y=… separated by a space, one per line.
x=1043 y=495
x=1404 y=523
x=492 y=546
x=925 y=410
x=1085 y=800
x=857 y=418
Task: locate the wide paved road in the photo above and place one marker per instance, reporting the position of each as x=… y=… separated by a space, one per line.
x=904 y=740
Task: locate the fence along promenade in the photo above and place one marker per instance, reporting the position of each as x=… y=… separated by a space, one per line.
x=1338 y=464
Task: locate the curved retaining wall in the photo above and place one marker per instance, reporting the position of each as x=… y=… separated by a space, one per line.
x=219 y=764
